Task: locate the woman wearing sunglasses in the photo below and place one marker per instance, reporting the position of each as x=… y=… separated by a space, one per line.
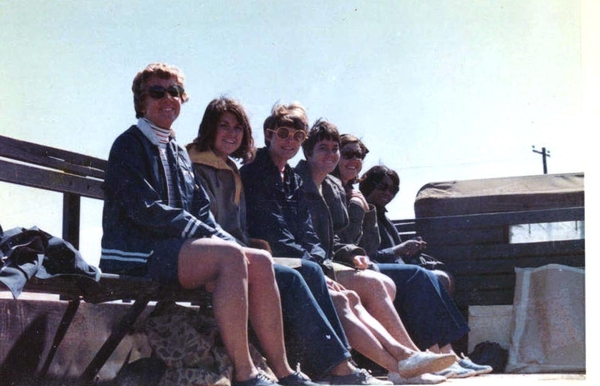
x=278 y=211
x=314 y=336
x=328 y=213
x=427 y=310
x=157 y=223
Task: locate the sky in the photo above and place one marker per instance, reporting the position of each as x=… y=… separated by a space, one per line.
x=438 y=90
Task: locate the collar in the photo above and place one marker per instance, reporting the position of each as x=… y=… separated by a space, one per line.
x=146 y=127
x=211 y=159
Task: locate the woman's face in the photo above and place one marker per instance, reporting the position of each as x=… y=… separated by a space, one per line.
x=230 y=133
x=351 y=161
x=325 y=156
x=383 y=193
x=283 y=150
x=164 y=111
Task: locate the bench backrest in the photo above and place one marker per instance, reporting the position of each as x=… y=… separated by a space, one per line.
x=73 y=174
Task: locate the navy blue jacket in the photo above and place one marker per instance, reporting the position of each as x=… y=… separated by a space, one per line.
x=136 y=212
x=277 y=211
x=389 y=238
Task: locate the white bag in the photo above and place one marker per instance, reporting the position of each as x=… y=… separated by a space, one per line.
x=548 y=320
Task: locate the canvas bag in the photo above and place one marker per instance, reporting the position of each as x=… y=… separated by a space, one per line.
x=548 y=320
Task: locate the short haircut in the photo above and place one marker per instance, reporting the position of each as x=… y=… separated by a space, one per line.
x=321 y=130
x=292 y=115
x=159 y=70
x=374 y=176
x=349 y=138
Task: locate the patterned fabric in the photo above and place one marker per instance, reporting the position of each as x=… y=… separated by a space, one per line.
x=188 y=342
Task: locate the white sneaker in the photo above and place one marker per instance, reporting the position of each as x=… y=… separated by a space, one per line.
x=423 y=379
x=477 y=368
x=456 y=371
x=421 y=362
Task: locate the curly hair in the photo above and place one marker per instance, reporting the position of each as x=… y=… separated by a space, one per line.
x=160 y=70
x=374 y=176
x=207 y=132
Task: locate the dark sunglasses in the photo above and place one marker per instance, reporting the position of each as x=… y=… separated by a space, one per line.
x=385 y=187
x=159 y=92
x=349 y=154
x=285 y=133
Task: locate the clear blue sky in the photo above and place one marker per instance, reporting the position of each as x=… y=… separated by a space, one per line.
x=438 y=90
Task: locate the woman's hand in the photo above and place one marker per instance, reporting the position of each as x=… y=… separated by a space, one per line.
x=361 y=262
x=412 y=247
x=333 y=285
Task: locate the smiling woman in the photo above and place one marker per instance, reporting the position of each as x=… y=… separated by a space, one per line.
x=157 y=224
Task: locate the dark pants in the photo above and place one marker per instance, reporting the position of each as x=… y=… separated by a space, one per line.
x=425 y=307
x=310 y=337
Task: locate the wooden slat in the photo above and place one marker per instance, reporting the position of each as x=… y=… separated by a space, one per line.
x=509 y=251
x=486 y=220
x=46 y=179
x=52 y=158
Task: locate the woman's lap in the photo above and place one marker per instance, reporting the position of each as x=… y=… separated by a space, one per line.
x=427 y=310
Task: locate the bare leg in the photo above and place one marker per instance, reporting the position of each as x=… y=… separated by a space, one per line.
x=364 y=332
x=447 y=349
x=265 y=310
x=373 y=289
x=223 y=265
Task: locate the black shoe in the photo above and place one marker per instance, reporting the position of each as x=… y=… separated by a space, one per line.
x=260 y=380
x=296 y=379
x=359 y=377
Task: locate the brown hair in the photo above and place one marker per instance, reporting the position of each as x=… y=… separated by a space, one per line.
x=321 y=130
x=344 y=140
x=159 y=70
x=292 y=115
x=207 y=132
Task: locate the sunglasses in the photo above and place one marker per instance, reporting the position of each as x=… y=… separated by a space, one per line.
x=285 y=133
x=349 y=154
x=385 y=187
x=159 y=92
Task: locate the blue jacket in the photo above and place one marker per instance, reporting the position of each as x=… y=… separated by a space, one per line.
x=136 y=213
x=328 y=213
x=277 y=211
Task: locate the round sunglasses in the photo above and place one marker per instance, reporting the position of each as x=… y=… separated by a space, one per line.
x=285 y=133
x=159 y=92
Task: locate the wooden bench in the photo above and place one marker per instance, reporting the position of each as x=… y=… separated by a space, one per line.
x=76 y=176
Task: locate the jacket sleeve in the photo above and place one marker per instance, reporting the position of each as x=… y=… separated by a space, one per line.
x=385 y=256
x=266 y=221
x=129 y=182
x=345 y=252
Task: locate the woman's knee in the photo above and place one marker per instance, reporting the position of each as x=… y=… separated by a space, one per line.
x=353 y=298
x=260 y=264
x=204 y=260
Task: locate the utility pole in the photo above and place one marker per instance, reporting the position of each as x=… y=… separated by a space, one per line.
x=544 y=154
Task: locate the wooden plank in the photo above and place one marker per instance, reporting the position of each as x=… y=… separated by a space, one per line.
x=506 y=251
x=486 y=220
x=53 y=158
x=46 y=179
